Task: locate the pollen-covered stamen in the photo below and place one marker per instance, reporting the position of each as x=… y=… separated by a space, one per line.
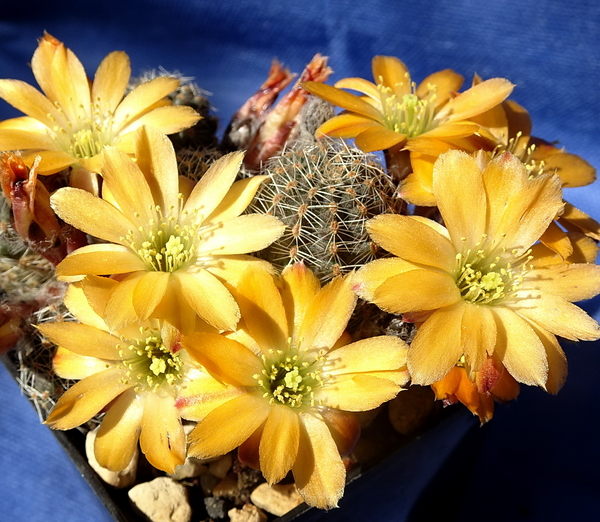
x=525 y=154
x=149 y=363
x=166 y=243
x=486 y=275
x=83 y=132
x=289 y=378
x=409 y=114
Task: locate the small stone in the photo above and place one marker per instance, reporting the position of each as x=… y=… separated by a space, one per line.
x=117 y=479
x=249 y=513
x=221 y=466
x=228 y=487
x=162 y=500
x=216 y=508
x=277 y=499
x=411 y=408
x=191 y=468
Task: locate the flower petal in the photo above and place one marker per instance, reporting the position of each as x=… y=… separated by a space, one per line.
x=91 y=214
x=17 y=139
x=573 y=170
x=389 y=71
x=375 y=354
x=477 y=99
x=82 y=339
x=519 y=348
x=202 y=395
x=228 y=426
x=241 y=235
x=30 y=101
x=212 y=188
x=236 y=200
x=416 y=291
x=141 y=98
x=360 y=85
x=119 y=311
x=117 y=437
x=53 y=161
x=100 y=259
x=372 y=275
x=462 y=221
x=279 y=443
x=327 y=316
x=573 y=282
x=231 y=268
x=557 y=315
x=299 y=287
x=162 y=439
x=447 y=83
x=378 y=138
x=361 y=392
x=110 y=80
x=168 y=119
x=225 y=359
x=437 y=347
x=86 y=398
x=209 y=298
x=149 y=292
x=155 y=157
x=346 y=125
x=69 y=365
x=412 y=240
x=342 y=99
x=478 y=335
x=319 y=472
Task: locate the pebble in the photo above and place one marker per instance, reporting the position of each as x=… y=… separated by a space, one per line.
x=117 y=479
x=221 y=466
x=191 y=468
x=162 y=500
x=277 y=499
x=248 y=513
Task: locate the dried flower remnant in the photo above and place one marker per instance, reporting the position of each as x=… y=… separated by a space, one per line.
x=72 y=121
x=175 y=250
x=280 y=124
x=281 y=387
x=32 y=217
x=134 y=374
x=475 y=285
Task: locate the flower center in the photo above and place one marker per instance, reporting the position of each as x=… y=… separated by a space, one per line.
x=84 y=144
x=164 y=244
x=408 y=114
x=80 y=135
x=150 y=362
x=287 y=379
x=486 y=277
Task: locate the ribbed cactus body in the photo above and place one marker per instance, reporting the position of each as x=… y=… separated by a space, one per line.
x=324 y=192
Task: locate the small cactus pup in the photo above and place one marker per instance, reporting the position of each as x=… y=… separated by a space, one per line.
x=324 y=192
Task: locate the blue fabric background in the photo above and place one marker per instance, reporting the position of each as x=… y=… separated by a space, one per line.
x=541 y=458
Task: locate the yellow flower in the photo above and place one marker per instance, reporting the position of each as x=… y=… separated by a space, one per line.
x=395 y=112
x=283 y=382
x=175 y=246
x=476 y=280
x=74 y=120
x=133 y=373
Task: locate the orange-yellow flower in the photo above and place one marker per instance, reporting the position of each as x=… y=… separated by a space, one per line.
x=134 y=374
x=395 y=112
x=476 y=280
x=74 y=119
x=489 y=385
x=174 y=245
x=283 y=382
